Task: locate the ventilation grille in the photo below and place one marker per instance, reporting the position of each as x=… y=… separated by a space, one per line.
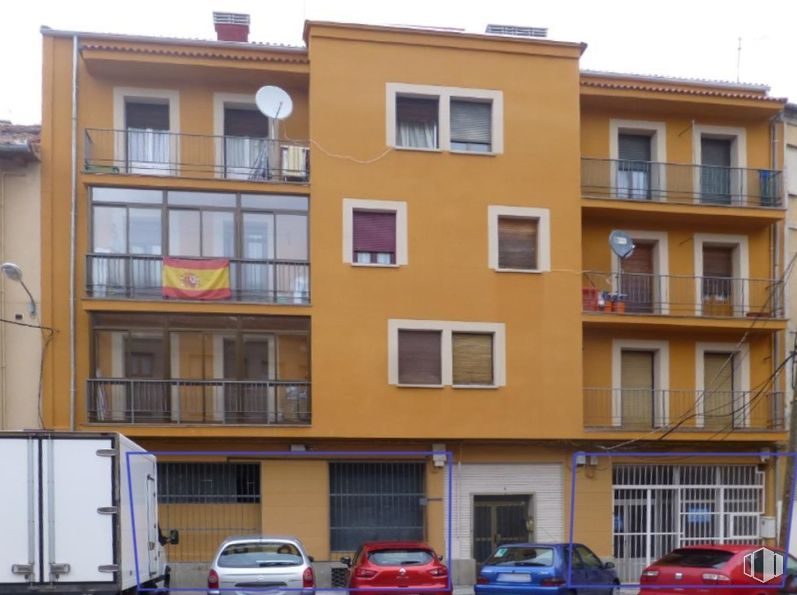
x=230 y=18
x=515 y=31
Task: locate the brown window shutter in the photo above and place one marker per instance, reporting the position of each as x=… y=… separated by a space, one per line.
x=517 y=243
x=245 y=122
x=154 y=116
x=718 y=262
x=419 y=357
x=473 y=358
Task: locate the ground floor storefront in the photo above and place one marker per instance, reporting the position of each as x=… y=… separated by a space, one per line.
x=463 y=498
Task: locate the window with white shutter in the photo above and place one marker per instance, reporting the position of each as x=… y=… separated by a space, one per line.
x=471 y=126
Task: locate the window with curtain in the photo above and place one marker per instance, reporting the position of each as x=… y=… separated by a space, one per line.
x=417 y=122
x=374 y=237
x=419 y=357
x=148 y=141
x=472 y=355
x=471 y=126
x=245 y=133
x=517 y=243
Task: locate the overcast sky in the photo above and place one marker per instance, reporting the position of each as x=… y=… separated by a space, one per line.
x=691 y=38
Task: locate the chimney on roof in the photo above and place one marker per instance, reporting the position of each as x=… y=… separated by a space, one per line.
x=231 y=26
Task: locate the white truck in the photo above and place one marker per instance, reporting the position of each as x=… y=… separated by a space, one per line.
x=67 y=524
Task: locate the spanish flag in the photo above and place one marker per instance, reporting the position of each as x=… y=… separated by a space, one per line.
x=206 y=279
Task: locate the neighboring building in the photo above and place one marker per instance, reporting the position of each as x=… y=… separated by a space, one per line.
x=20 y=243
x=418 y=261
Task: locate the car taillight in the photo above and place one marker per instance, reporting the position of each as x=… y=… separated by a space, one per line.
x=714 y=578
x=213 y=579
x=439 y=571
x=482 y=580
x=552 y=582
x=308 y=578
x=364 y=573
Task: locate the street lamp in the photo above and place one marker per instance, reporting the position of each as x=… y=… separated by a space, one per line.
x=14 y=273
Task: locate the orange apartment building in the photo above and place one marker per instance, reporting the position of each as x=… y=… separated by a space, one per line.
x=418 y=260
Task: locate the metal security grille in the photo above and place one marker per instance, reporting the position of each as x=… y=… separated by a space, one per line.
x=375 y=501
x=661 y=507
x=207 y=502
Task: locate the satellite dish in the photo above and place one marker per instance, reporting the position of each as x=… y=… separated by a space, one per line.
x=621 y=244
x=274 y=102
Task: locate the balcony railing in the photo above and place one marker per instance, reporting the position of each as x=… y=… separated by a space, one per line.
x=163 y=153
x=716 y=411
x=129 y=276
x=680 y=183
x=186 y=401
x=674 y=295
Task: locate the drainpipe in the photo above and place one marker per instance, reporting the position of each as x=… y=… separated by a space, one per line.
x=73 y=244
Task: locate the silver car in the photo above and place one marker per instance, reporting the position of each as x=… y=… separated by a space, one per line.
x=261 y=563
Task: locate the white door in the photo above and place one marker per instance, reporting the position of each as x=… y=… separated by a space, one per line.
x=152 y=525
x=19 y=513
x=78 y=484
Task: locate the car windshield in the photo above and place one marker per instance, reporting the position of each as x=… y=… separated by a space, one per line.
x=521 y=556
x=400 y=557
x=696 y=558
x=261 y=554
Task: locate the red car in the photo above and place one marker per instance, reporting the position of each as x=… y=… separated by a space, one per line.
x=408 y=565
x=711 y=569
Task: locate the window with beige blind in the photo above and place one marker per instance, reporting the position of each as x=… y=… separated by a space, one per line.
x=517 y=243
x=719 y=390
x=439 y=353
x=419 y=357
x=472 y=358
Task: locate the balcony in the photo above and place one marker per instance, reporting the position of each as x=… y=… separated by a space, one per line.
x=187 y=401
x=140 y=277
x=161 y=153
x=678 y=295
x=681 y=184
x=620 y=409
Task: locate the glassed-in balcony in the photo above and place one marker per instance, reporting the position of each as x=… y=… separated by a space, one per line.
x=197 y=369
x=681 y=295
x=680 y=183
x=634 y=409
x=219 y=245
x=163 y=153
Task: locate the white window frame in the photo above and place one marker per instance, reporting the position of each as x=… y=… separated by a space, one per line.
x=741 y=376
x=356 y=204
x=661 y=266
x=543 y=217
x=120 y=97
x=445 y=95
x=658 y=148
x=661 y=371
x=738 y=136
x=447 y=328
x=220 y=102
x=741 y=264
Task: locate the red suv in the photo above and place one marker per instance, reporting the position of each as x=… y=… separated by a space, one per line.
x=407 y=565
x=718 y=569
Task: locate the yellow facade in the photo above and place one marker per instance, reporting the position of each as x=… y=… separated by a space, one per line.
x=559 y=132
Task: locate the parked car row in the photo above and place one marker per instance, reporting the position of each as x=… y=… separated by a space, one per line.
x=274 y=563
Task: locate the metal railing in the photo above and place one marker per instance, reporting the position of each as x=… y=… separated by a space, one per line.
x=163 y=153
x=678 y=295
x=187 y=401
x=644 y=409
x=134 y=276
x=680 y=183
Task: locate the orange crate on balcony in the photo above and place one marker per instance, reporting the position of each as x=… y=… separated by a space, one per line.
x=589 y=298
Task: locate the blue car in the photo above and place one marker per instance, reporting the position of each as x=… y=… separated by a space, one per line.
x=542 y=569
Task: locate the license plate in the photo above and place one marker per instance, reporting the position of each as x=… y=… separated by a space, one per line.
x=514 y=578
